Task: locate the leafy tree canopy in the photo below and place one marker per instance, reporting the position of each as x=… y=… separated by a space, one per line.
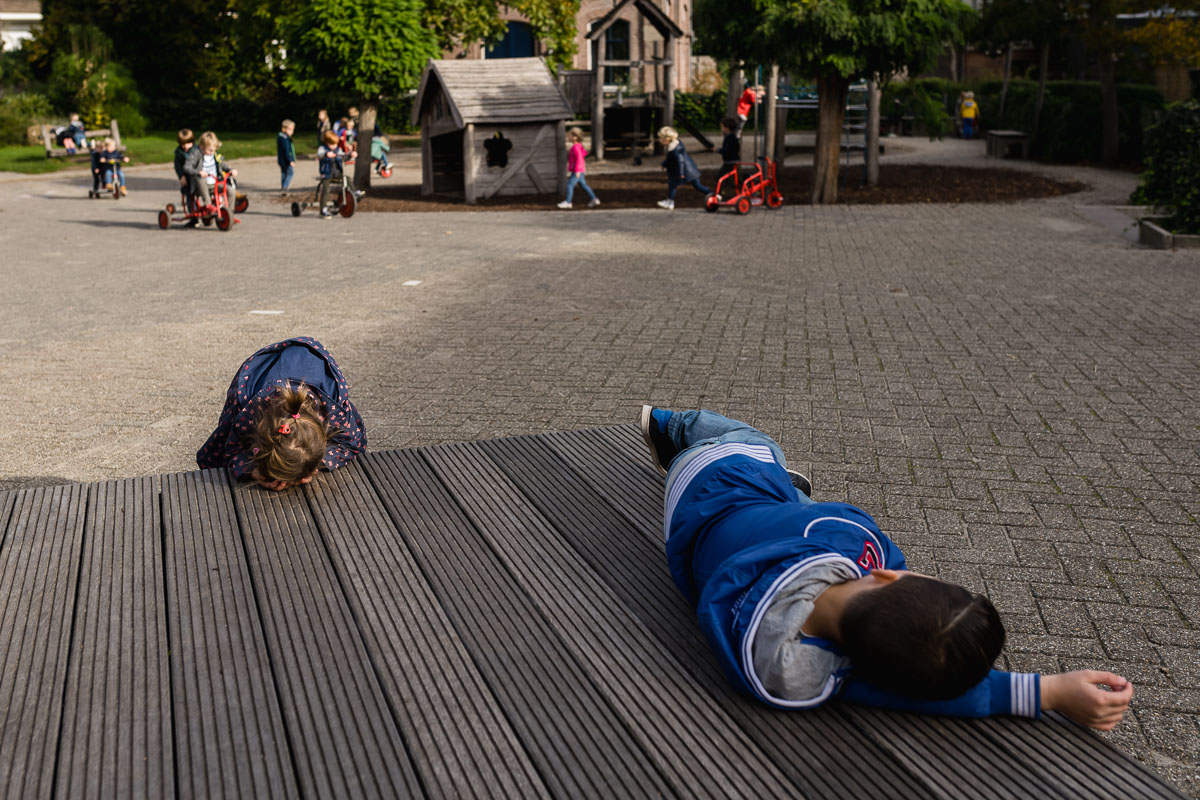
x=847 y=38
x=367 y=47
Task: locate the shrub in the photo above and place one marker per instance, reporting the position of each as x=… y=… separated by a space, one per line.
x=704 y=110
x=1172 y=177
x=923 y=99
x=18 y=112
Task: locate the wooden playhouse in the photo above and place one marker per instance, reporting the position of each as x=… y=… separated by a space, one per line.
x=491 y=127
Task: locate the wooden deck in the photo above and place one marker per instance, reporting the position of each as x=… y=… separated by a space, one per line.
x=491 y=619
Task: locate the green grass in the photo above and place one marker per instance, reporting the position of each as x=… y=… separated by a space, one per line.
x=157 y=147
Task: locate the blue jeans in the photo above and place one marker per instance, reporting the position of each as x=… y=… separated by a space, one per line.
x=108 y=174
x=285 y=177
x=693 y=432
x=578 y=179
x=968 y=128
x=674 y=183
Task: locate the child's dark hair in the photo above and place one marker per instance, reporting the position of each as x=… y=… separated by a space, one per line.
x=184 y=136
x=730 y=123
x=922 y=638
x=290 y=436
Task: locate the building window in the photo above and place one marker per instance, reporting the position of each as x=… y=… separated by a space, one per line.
x=517 y=42
x=616 y=46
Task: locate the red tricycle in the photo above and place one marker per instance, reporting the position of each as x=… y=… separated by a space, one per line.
x=746 y=185
x=218 y=212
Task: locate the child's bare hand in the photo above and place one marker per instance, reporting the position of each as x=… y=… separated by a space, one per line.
x=233 y=172
x=1079 y=696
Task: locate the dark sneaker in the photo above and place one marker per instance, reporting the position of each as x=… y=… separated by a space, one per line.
x=800 y=482
x=654 y=431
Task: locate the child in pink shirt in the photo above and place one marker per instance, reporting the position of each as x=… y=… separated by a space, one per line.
x=575 y=168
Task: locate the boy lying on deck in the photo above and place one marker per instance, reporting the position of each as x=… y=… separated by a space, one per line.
x=801 y=601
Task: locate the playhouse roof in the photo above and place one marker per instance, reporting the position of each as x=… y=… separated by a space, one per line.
x=495 y=90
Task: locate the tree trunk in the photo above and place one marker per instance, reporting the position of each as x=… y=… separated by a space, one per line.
x=831 y=110
x=871 y=141
x=781 y=117
x=1108 y=109
x=772 y=91
x=1043 y=68
x=368 y=110
x=735 y=89
x=1008 y=51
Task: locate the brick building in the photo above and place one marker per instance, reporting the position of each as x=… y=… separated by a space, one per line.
x=631 y=38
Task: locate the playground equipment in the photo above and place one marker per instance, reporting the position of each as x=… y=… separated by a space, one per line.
x=192 y=210
x=749 y=185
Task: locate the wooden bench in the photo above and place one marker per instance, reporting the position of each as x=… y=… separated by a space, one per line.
x=54 y=151
x=488 y=619
x=1000 y=143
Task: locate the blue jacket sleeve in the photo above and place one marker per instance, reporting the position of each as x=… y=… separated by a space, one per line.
x=1017 y=694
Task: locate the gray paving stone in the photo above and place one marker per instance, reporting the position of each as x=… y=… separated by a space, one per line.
x=1011 y=389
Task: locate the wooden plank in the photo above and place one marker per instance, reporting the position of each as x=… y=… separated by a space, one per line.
x=39 y=571
x=517 y=165
x=686 y=734
x=230 y=739
x=570 y=731
x=818 y=752
x=344 y=738
x=1091 y=766
x=461 y=742
x=116 y=729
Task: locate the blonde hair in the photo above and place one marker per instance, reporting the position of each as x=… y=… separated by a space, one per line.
x=290 y=435
x=575 y=134
x=668 y=133
x=208 y=138
x=287 y=123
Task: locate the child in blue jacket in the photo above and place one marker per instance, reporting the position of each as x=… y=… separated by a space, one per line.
x=285 y=154
x=679 y=166
x=287 y=414
x=803 y=601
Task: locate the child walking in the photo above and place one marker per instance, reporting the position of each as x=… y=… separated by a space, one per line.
x=287 y=414
x=679 y=166
x=285 y=154
x=576 y=153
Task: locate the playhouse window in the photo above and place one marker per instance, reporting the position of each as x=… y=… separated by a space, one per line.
x=616 y=46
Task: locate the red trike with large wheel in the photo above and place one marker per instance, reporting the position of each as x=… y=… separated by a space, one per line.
x=219 y=212
x=745 y=186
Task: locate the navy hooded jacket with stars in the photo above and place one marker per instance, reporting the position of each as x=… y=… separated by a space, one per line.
x=299 y=360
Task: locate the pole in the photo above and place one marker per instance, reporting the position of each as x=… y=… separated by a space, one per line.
x=772 y=122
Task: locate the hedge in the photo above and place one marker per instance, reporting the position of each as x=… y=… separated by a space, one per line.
x=1070 y=129
x=1172 y=177
x=249 y=116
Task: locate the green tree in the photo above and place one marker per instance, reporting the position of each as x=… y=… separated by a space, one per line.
x=835 y=41
x=1041 y=22
x=371 y=48
x=1169 y=34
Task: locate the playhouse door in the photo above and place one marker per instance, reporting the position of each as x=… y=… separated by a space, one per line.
x=447 y=152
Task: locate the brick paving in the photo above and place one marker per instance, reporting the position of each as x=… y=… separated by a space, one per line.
x=1010 y=389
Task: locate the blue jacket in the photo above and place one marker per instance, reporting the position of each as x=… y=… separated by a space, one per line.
x=680 y=166
x=330 y=167
x=285 y=152
x=303 y=360
x=736 y=535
